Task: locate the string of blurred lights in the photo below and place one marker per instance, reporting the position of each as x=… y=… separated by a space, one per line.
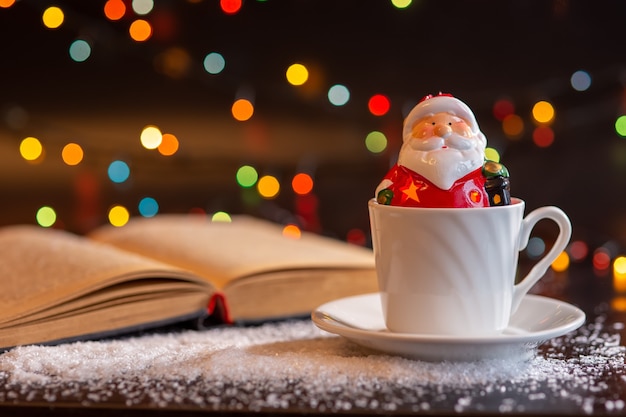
x=177 y=62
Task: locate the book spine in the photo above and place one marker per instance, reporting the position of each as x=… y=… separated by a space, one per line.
x=218 y=308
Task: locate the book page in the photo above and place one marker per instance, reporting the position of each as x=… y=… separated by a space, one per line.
x=223 y=251
x=41 y=268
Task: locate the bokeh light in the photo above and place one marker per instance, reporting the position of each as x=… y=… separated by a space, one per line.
x=543 y=136
x=338 y=95
x=578 y=250
x=401 y=4
x=535 y=247
x=118 y=216
x=513 y=126
x=148 y=207
x=242 y=109
x=292 y=231
x=297 y=74
x=31 y=149
x=619 y=274
x=601 y=259
x=72 y=154
x=221 y=217
x=5 y=4
x=620 y=126
x=268 y=186
x=376 y=142
x=214 y=63
x=151 y=137
x=580 y=80
x=140 y=30
x=561 y=263
x=302 y=183
x=619 y=265
x=114 y=9
x=118 y=171
x=46 y=216
x=356 y=237
x=230 y=6
x=80 y=50
x=543 y=112
x=169 y=144
x=173 y=62
x=246 y=176
x=503 y=108
x=379 y=105
x=491 y=154
x=53 y=17
x=142 y=7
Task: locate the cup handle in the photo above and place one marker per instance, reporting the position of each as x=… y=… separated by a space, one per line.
x=565 y=232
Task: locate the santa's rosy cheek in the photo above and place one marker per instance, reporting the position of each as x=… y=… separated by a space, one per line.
x=423 y=131
x=461 y=128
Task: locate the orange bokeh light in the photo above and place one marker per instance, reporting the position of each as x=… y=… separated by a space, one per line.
x=242 y=110
x=140 y=30
x=302 y=183
x=292 y=231
x=114 y=9
x=168 y=145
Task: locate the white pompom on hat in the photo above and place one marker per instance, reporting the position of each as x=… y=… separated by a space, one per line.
x=441 y=103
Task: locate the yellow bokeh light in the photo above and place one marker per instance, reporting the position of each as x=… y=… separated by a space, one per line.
x=53 y=17
x=151 y=137
x=169 y=145
x=72 y=154
x=543 y=112
x=140 y=30
x=242 y=110
x=297 y=74
x=561 y=263
x=31 y=149
x=268 y=186
x=492 y=154
x=292 y=231
x=619 y=274
x=221 y=216
x=118 y=216
x=619 y=282
x=619 y=265
x=46 y=216
x=401 y=4
x=513 y=126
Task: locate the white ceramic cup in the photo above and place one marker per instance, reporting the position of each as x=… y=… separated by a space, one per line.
x=452 y=271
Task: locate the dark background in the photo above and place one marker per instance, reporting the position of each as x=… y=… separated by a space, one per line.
x=481 y=51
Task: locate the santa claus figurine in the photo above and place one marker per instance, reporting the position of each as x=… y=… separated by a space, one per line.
x=442 y=160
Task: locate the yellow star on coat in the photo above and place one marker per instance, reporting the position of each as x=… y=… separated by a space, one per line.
x=411 y=192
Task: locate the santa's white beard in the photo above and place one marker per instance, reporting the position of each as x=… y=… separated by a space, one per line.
x=442 y=166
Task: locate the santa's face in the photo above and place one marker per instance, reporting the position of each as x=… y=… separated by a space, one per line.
x=443 y=149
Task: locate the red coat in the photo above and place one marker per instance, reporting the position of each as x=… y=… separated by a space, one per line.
x=413 y=190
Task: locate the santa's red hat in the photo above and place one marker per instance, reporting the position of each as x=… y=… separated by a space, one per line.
x=441 y=103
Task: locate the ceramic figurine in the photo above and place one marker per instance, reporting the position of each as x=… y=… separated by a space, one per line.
x=442 y=160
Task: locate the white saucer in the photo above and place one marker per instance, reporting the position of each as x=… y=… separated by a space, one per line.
x=360 y=319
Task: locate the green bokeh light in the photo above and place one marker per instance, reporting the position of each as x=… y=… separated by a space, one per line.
x=247 y=176
x=376 y=142
x=620 y=125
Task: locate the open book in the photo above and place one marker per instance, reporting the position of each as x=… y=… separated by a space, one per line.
x=58 y=286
